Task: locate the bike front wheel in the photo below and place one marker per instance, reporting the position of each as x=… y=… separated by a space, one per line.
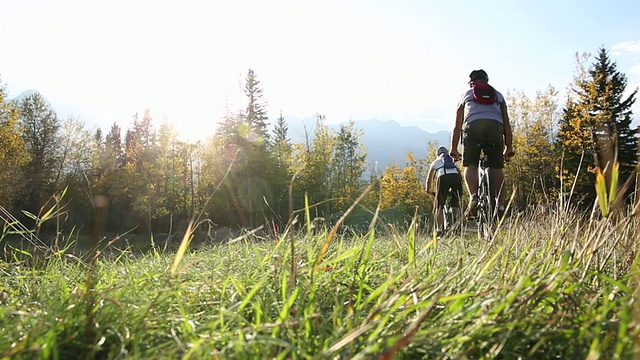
x=486 y=207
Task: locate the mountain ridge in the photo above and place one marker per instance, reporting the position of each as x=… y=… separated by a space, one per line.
x=385 y=141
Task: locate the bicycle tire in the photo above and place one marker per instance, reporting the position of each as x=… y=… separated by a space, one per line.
x=485 y=205
x=493 y=206
x=456 y=213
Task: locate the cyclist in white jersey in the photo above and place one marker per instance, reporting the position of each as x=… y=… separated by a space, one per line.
x=448 y=178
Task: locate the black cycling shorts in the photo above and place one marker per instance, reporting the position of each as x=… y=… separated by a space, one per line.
x=448 y=182
x=483 y=131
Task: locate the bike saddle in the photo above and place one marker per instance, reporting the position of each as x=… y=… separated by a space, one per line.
x=484 y=146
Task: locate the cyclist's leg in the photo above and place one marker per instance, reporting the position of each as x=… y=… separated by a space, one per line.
x=456 y=191
x=471 y=138
x=495 y=158
x=439 y=205
x=448 y=183
x=440 y=219
x=471 y=178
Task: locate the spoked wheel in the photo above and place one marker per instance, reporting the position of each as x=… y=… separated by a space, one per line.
x=448 y=217
x=452 y=218
x=485 y=222
x=486 y=209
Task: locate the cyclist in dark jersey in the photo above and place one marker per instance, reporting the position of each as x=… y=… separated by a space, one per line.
x=447 y=175
x=482 y=123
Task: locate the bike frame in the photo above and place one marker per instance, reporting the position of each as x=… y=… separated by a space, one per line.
x=449 y=216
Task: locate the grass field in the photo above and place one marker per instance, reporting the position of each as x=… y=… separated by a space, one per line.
x=546 y=286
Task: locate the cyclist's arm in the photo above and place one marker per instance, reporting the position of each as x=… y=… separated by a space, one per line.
x=508 y=141
x=457 y=129
x=429 y=180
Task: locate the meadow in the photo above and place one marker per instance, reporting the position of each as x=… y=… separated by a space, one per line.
x=546 y=285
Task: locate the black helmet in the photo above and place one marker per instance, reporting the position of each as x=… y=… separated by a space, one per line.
x=479 y=75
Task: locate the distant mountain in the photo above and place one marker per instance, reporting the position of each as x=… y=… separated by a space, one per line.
x=384 y=141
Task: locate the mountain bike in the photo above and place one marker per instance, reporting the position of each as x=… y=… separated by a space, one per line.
x=451 y=216
x=486 y=195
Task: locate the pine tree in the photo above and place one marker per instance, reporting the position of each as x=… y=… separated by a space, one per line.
x=349 y=161
x=255 y=177
x=114 y=151
x=597 y=123
x=229 y=128
x=142 y=175
x=280 y=131
x=281 y=152
x=241 y=141
x=255 y=114
x=111 y=181
x=313 y=160
x=132 y=145
x=173 y=190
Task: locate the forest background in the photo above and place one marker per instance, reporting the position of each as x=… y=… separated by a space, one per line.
x=249 y=173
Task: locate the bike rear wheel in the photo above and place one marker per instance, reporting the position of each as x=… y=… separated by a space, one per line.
x=486 y=206
x=452 y=215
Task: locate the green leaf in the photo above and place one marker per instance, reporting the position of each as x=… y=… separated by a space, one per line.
x=30 y=215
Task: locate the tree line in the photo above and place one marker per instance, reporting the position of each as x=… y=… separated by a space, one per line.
x=248 y=173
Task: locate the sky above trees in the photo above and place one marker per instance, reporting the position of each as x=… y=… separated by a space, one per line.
x=406 y=61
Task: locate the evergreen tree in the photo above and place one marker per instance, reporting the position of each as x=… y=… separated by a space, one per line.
x=144 y=130
x=330 y=166
x=251 y=184
x=349 y=161
x=280 y=131
x=224 y=156
x=173 y=190
x=113 y=157
x=113 y=182
x=248 y=168
x=281 y=151
x=141 y=175
x=314 y=162
x=597 y=123
x=132 y=145
x=255 y=114
x=229 y=128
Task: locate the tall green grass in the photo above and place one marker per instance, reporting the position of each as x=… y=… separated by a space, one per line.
x=548 y=285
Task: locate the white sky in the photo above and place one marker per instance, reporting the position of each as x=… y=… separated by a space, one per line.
x=401 y=60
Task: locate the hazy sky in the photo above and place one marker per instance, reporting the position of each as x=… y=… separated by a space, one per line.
x=103 y=61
